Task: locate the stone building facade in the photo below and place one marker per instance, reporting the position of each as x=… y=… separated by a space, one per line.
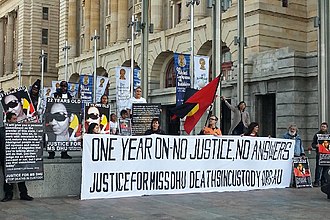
x=280 y=56
x=26 y=28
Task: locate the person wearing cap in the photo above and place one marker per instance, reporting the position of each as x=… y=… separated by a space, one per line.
x=63 y=92
x=34 y=93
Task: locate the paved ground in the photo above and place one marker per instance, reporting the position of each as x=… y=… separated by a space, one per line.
x=287 y=203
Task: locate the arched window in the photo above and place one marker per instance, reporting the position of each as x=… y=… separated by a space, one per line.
x=170 y=77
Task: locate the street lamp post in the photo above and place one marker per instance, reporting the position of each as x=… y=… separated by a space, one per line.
x=41 y=101
x=19 y=65
x=144 y=47
x=95 y=38
x=241 y=44
x=216 y=47
x=132 y=53
x=66 y=48
x=192 y=3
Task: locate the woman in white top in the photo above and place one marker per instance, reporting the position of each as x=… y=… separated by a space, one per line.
x=136 y=99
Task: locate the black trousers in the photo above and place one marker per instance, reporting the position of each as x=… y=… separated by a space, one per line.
x=8 y=187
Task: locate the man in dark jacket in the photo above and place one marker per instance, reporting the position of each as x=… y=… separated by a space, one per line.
x=319 y=170
x=62 y=92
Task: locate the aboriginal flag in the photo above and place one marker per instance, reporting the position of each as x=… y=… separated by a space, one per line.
x=194 y=107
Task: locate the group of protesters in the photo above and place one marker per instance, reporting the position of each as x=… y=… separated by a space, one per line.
x=240 y=125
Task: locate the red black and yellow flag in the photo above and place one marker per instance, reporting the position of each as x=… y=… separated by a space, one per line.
x=196 y=105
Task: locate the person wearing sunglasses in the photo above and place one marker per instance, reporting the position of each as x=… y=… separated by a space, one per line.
x=8 y=187
x=12 y=104
x=211 y=128
x=59 y=119
x=63 y=92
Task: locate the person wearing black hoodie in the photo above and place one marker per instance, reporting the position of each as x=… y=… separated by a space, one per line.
x=34 y=93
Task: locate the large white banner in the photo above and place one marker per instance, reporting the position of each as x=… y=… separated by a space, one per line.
x=122 y=166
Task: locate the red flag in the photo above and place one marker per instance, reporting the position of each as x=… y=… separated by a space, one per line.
x=202 y=100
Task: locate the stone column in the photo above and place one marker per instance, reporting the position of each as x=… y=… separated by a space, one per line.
x=185 y=12
x=122 y=20
x=157 y=14
x=2 y=51
x=114 y=21
x=10 y=44
x=95 y=20
x=87 y=36
x=72 y=28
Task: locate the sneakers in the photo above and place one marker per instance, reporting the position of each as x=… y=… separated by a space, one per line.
x=65 y=155
x=26 y=197
x=7 y=198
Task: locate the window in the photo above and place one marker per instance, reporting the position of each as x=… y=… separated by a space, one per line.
x=45 y=13
x=170 y=80
x=44 y=38
x=176 y=13
x=285 y=3
x=45 y=63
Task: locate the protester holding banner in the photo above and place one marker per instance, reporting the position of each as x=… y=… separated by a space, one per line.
x=241 y=118
x=211 y=127
x=320 y=171
x=154 y=127
x=62 y=92
x=136 y=99
x=252 y=130
x=292 y=133
x=8 y=187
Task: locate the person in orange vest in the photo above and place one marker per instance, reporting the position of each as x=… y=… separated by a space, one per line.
x=211 y=128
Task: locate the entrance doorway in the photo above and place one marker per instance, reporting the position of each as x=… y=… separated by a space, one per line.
x=266 y=114
x=172 y=126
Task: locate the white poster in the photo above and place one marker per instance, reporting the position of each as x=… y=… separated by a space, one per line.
x=201 y=70
x=55 y=86
x=123 y=87
x=101 y=85
x=123 y=166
